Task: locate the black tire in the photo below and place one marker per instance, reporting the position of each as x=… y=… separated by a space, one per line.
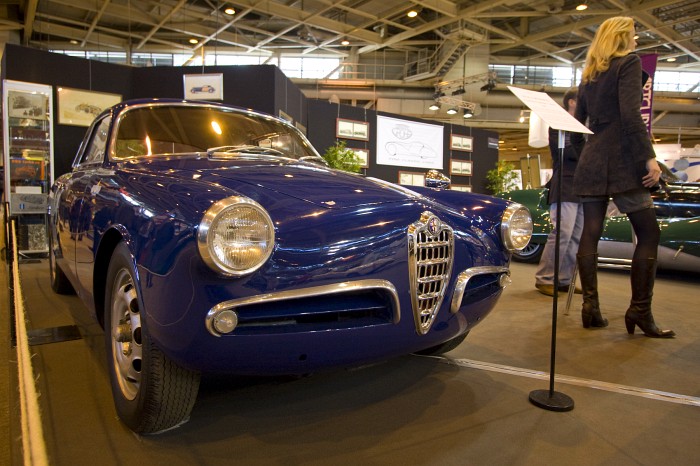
x=443 y=348
x=151 y=393
x=59 y=281
x=531 y=254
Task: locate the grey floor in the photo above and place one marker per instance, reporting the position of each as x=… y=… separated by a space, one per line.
x=637 y=400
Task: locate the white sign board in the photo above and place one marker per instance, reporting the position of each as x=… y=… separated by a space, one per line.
x=404 y=143
x=548 y=110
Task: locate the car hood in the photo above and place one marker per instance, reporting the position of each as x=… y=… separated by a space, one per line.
x=310 y=182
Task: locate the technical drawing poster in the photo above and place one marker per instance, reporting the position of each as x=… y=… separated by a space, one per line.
x=404 y=143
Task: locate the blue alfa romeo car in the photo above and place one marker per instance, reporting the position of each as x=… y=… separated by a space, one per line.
x=210 y=239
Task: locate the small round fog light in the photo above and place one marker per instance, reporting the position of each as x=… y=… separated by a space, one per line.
x=504 y=280
x=225 y=321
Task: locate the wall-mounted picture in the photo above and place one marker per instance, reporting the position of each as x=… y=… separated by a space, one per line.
x=363 y=155
x=204 y=86
x=405 y=143
x=352 y=129
x=460 y=167
x=411 y=178
x=22 y=104
x=286 y=116
x=459 y=142
x=79 y=108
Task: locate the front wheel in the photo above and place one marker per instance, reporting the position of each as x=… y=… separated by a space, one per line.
x=530 y=254
x=443 y=348
x=151 y=393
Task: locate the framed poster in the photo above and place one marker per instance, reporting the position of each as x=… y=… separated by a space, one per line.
x=286 y=116
x=460 y=167
x=204 y=86
x=459 y=142
x=404 y=143
x=22 y=104
x=412 y=178
x=352 y=129
x=363 y=155
x=79 y=108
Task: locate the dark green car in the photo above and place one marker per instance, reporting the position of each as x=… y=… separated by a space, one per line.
x=678 y=213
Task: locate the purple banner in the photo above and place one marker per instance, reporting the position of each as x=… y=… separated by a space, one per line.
x=648 y=70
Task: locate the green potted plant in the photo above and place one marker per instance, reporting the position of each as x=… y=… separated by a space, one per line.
x=502 y=178
x=341 y=157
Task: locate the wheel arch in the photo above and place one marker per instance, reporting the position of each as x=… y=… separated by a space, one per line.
x=109 y=242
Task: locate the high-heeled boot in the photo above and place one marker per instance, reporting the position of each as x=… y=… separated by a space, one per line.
x=588 y=271
x=639 y=313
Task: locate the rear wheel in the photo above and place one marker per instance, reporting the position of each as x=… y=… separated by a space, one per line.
x=151 y=393
x=443 y=348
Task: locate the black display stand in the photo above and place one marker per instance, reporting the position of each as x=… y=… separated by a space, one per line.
x=550 y=399
x=557 y=118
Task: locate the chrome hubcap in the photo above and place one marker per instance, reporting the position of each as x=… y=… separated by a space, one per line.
x=126 y=334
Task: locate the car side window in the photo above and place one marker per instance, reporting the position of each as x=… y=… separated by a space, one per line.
x=95 y=151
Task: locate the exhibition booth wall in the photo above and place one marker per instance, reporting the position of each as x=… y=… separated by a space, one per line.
x=394 y=148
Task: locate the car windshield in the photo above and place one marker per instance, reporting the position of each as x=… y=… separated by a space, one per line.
x=182 y=129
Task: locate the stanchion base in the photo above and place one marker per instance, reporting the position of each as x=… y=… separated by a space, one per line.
x=553 y=401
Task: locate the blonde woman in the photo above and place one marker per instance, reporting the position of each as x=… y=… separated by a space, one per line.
x=617 y=161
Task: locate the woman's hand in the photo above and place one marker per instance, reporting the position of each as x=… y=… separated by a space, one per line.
x=653 y=174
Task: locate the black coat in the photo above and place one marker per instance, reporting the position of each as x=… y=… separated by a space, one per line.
x=570 y=160
x=613 y=159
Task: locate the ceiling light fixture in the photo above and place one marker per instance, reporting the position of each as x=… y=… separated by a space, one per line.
x=194 y=41
x=230 y=11
x=459 y=91
x=434 y=106
x=452 y=111
x=344 y=42
x=468 y=113
x=581 y=7
x=412 y=13
x=671 y=59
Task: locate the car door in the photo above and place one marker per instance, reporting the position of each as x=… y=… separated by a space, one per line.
x=84 y=186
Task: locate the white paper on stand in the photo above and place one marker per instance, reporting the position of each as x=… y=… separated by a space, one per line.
x=548 y=110
x=539 y=132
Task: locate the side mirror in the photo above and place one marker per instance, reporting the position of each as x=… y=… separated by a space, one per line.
x=436 y=179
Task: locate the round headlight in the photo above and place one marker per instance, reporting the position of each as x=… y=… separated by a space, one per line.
x=516 y=227
x=236 y=236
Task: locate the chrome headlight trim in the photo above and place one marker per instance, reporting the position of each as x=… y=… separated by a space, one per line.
x=210 y=252
x=516 y=227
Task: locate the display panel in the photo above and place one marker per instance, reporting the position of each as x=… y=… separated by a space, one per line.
x=28 y=159
x=404 y=143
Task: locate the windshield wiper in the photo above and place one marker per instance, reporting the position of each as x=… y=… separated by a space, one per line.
x=242 y=149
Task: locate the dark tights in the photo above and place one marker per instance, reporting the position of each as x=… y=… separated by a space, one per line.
x=643 y=222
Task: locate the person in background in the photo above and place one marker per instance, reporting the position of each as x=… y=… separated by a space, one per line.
x=571 y=223
x=616 y=161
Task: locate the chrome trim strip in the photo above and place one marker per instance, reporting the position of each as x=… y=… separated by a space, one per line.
x=323 y=290
x=464 y=278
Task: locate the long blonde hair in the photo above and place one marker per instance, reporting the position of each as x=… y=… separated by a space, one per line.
x=612 y=39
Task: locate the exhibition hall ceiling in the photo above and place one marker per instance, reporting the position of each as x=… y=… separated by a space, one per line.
x=525 y=33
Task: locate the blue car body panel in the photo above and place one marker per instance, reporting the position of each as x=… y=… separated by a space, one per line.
x=331 y=229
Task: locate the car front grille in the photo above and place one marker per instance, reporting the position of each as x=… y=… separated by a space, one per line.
x=430 y=258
